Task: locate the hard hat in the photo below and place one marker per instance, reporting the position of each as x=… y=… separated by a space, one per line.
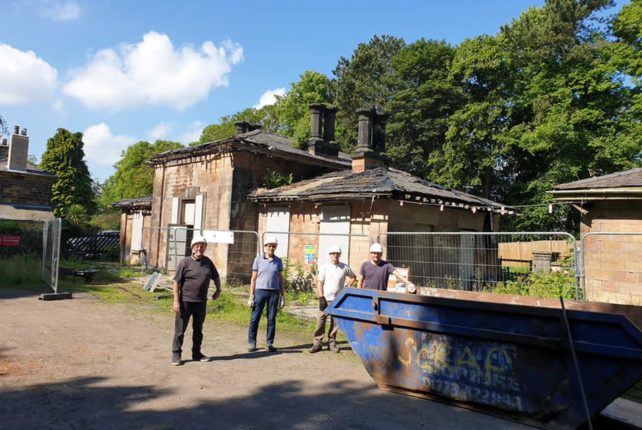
x=334 y=248
x=376 y=247
x=198 y=239
x=271 y=239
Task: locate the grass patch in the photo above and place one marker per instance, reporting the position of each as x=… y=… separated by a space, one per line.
x=21 y=271
x=635 y=393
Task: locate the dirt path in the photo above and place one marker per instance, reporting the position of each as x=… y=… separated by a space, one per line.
x=82 y=364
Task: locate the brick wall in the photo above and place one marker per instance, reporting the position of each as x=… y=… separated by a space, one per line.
x=26 y=189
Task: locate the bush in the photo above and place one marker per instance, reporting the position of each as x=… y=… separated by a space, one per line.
x=544 y=285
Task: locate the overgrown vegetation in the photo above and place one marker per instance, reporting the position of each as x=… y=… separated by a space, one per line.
x=274 y=179
x=543 y=285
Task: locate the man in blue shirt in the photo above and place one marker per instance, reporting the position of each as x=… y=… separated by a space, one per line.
x=267 y=287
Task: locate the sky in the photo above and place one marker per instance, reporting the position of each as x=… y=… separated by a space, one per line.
x=122 y=71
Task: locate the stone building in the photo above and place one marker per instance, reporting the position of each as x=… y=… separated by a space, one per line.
x=135 y=232
x=613 y=262
x=25 y=190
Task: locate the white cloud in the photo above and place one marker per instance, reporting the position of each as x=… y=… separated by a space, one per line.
x=153 y=72
x=102 y=148
x=24 y=78
x=60 y=10
x=269 y=97
x=161 y=131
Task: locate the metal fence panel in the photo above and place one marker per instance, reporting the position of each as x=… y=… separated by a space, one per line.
x=510 y=262
x=612 y=263
x=51 y=252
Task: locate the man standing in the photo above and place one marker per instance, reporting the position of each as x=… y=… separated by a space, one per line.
x=331 y=281
x=191 y=282
x=267 y=287
x=374 y=273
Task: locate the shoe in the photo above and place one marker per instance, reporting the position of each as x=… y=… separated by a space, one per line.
x=176 y=359
x=315 y=348
x=251 y=347
x=334 y=348
x=271 y=348
x=200 y=357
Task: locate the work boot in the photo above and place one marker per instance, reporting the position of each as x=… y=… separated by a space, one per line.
x=271 y=348
x=315 y=348
x=200 y=357
x=251 y=347
x=176 y=359
x=332 y=347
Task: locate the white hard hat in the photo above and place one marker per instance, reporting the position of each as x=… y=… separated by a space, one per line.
x=198 y=239
x=376 y=247
x=271 y=239
x=334 y=248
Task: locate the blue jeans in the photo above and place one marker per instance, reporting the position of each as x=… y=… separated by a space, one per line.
x=261 y=298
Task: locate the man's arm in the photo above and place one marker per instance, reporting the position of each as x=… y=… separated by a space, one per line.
x=250 y=302
x=217 y=293
x=360 y=284
x=400 y=277
x=176 y=293
x=353 y=281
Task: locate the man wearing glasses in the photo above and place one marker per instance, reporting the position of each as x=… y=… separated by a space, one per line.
x=374 y=273
x=267 y=287
x=330 y=282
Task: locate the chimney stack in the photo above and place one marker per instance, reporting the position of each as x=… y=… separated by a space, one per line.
x=371 y=141
x=241 y=127
x=18 y=150
x=322 y=140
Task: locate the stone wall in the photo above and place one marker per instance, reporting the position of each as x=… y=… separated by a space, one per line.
x=25 y=189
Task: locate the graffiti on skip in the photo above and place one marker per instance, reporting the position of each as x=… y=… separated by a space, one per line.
x=465 y=370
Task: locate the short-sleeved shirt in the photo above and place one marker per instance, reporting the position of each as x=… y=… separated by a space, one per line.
x=375 y=276
x=267 y=272
x=194 y=278
x=334 y=278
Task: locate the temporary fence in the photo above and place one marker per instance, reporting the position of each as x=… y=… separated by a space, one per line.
x=485 y=261
x=303 y=253
x=612 y=267
x=232 y=251
x=30 y=251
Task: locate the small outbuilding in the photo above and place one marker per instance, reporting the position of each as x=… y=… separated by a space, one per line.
x=135 y=232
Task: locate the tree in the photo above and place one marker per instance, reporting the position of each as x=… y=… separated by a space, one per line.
x=423 y=98
x=64 y=156
x=361 y=82
x=292 y=109
x=133 y=178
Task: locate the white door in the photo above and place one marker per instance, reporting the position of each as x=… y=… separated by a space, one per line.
x=335 y=221
x=278 y=224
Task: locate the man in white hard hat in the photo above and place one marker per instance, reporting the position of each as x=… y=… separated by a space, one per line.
x=375 y=272
x=267 y=287
x=191 y=282
x=330 y=282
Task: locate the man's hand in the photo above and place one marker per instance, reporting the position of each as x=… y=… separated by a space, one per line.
x=323 y=303
x=216 y=295
x=250 y=301
x=177 y=306
x=282 y=302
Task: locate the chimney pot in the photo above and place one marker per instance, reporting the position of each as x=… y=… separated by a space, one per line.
x=16 y=129
x=364 y=140
x=241 y=127
x=315 y=143
x=24 y=132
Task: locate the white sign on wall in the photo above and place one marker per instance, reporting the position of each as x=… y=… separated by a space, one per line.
x=219 y=236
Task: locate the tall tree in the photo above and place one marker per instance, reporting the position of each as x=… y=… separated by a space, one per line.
x=133 y=178
x=423 y=97
x=64 y=156
x=292 y=108
x=361 y=81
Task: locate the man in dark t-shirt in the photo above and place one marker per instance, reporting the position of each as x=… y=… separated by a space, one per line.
x=375 y=272
x=191 y=282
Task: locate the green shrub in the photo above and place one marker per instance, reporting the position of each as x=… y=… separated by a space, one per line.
x=544 y=285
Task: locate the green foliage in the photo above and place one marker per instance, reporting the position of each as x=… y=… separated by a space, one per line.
x=64 y=157
x=543 y=285
x=362 y=81
x=133 y=178
x=105 y=221
x=21 y=271
x=274 y=179
x=292 y=109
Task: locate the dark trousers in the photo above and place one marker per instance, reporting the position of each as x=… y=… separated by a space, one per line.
x=197 y=310
x=262 y=298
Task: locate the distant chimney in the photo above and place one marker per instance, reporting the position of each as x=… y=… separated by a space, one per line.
x=18 y=150
x=241 y=127
x=4 y=149
x=321 y=140
x=370 y=142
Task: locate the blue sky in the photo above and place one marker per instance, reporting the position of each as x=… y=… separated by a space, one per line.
x=124 y=71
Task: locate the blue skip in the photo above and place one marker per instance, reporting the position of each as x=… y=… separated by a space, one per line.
x=511 y=360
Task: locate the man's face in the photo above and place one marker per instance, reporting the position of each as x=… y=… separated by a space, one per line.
x=198 y=250
x=269 y=249
x=334 y=257
x=375 y=256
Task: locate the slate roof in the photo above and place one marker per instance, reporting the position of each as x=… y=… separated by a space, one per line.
x=379 y=182
x=627 y=178
x=137 y=202
x=620 y=185
x=257 y=141
x=31 y=169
